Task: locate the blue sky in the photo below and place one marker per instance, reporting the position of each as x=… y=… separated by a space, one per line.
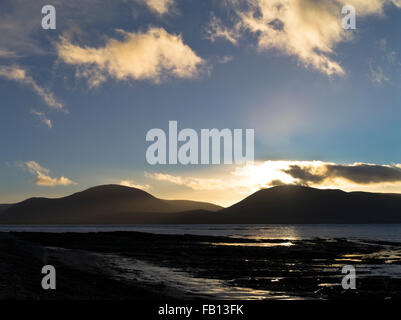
x=312 y=91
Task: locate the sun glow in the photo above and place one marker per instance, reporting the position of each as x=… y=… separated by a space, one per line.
x=271 y=173
x=232 y=185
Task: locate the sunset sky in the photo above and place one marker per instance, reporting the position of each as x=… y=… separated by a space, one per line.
x=77 y=102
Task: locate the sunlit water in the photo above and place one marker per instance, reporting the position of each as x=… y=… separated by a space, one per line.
x=381 y=232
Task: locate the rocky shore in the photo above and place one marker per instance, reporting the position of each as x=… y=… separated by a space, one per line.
x=133 y=265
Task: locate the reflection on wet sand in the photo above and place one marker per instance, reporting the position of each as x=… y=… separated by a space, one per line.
x=183 y=285
x=188 y=266
x=252 y=244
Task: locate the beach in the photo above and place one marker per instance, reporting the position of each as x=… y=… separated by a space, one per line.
x=146 y=266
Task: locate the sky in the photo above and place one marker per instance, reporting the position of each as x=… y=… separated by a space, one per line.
x=78 y=101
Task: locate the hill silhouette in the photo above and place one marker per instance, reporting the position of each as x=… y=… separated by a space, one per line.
x=101 y=204
x=4 y=207
x=298 y=204
x=287 y=204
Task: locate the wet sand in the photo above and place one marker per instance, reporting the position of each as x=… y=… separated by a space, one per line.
x=133 y=265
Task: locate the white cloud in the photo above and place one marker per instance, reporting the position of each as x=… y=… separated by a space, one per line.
x=132 y=184
x=15 y=73
x=190 y=182
x=226 y=59
x=216 y=29
x=306 y=29
x=377 y=75
x=386 y=66
x=43 y=177
x=42 y=118
x=389 y=56
x=151 y=55
x=160 y=6
x=47 y=122
x=7 y=54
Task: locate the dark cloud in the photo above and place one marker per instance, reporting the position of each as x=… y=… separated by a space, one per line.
x=276 y=182
x=304 y=174
x=360 y=173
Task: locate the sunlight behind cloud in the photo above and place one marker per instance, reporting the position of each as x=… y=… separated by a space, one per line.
x=241 y=181
x=132 y=184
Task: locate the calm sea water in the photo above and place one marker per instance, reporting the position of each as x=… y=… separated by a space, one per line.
x=389 y=232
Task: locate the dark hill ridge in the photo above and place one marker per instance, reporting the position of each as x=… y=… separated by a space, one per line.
x=297 y=204
x=4 y=207
x=102 y=204
x=282 y=204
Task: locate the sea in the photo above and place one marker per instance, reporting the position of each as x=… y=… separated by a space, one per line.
x=377 y=232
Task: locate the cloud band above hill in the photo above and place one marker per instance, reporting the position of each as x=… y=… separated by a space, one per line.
x=252 y=177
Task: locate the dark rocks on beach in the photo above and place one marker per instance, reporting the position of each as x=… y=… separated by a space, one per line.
x=87 y=266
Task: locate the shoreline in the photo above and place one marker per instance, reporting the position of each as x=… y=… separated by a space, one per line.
x=134 y=265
